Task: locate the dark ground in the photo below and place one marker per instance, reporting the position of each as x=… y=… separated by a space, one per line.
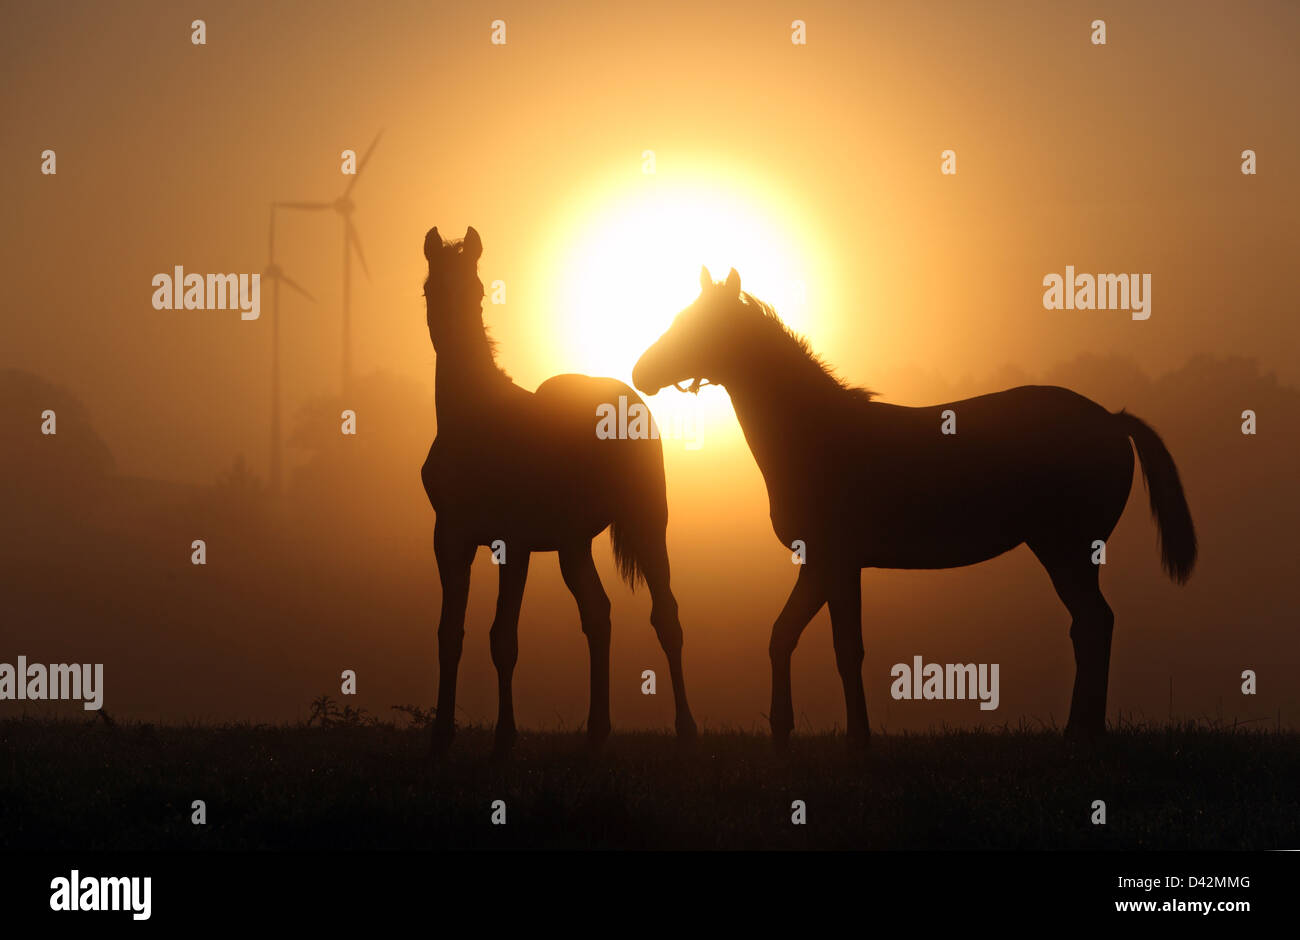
x=86 y=785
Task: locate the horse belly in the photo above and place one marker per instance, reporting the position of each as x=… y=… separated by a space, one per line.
x=941 y=540
x=532 y=506
x=953 y=526
x=911 y=518
x=944 y=547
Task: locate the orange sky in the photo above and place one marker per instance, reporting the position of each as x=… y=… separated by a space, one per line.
x=1123 y=158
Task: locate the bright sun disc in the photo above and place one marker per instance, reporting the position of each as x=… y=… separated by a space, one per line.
x=635 y=266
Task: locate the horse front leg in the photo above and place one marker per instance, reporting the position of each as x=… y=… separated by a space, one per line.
x=504 y=638
x=668 y=627
x=846 y=630
x=802 y=605
x=455 y=557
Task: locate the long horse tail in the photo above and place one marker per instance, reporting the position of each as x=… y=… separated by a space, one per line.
x=1168 y=504
x=626 y=556
x=640 y=521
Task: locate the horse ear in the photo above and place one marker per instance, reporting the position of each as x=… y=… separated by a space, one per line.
x=473 y=244
x=706 y=279
x=432 y=243
x=733 y=282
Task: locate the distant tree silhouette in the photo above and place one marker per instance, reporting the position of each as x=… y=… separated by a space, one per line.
x=350 y=486
x=71 y=468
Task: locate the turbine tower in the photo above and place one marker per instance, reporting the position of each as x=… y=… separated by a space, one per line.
x=351 y=242
x=275 y=275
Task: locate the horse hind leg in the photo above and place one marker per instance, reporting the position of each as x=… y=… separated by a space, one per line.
x=580 y=577
x=667 y=626
x=1076 y=581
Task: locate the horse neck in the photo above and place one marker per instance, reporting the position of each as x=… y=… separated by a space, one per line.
x=467 y=380
x=781 y=394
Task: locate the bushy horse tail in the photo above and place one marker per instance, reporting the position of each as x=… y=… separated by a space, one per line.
x=1168 y=504
x=642 y=514
x=625 y=554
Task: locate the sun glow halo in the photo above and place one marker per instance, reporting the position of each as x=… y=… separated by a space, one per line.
x=631 y=263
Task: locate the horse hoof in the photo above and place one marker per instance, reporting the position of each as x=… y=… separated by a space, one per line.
x=441 y=742
x=860 y=742
x=1084 y=734
x=503 y=745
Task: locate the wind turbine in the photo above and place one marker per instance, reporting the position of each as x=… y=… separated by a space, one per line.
x=275 y=275
x=351 y=242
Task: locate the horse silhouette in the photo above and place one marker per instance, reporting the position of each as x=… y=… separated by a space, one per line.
x=526 y=471
x=870 y=485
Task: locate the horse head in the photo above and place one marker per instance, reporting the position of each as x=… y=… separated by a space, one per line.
x=453 y=293
x=700 y=346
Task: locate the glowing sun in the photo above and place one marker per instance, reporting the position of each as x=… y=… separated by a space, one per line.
x=632 y=262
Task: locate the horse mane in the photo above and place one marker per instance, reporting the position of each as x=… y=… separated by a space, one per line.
x=800 y=343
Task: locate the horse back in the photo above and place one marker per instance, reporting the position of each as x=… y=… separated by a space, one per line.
x=955 y=483
x=533 y=467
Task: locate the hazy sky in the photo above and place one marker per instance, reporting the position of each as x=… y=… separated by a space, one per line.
x=813 y=169
x=1115 y=158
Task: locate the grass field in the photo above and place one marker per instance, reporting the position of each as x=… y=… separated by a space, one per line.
x=87 y=785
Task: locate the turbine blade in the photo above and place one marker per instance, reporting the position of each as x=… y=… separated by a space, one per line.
x=296 y=286
x=305 y=205
x=356 y=244
x=362 y=165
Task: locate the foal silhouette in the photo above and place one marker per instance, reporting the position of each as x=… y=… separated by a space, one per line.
x=528 y=469
x=870 y=485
